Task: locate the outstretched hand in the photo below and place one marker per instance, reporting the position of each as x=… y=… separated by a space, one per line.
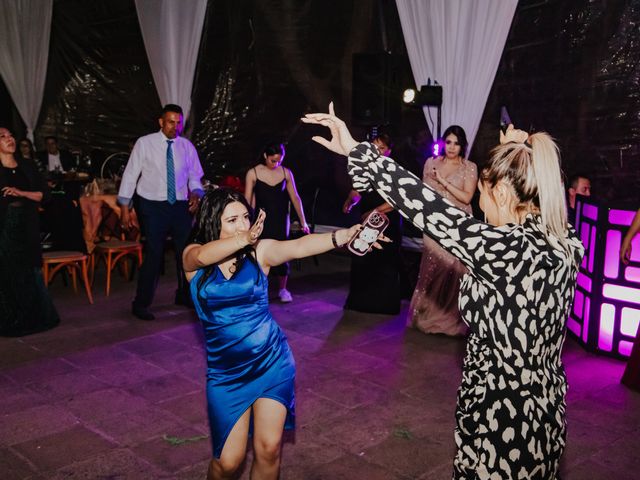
x=341 y=141
x=513 y=135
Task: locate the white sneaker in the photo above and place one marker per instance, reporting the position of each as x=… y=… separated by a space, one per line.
x=285 y=296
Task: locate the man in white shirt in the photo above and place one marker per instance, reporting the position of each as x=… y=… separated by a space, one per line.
x=52 y=159
x=164 y=170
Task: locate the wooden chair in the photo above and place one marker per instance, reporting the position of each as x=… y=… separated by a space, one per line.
x=112 y=251
x=53 y=262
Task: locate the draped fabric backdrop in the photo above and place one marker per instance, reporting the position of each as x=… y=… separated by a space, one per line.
x=171 y=32
x=25 y=26
x=458 y=43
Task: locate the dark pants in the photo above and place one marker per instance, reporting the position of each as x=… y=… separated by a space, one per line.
x=159 y=219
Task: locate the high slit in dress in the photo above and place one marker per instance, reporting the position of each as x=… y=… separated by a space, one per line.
x=248 y=356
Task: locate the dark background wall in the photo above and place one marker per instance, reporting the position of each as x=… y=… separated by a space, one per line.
x=570 y=67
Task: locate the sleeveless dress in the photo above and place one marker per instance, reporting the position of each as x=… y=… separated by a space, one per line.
x=434 y=304
x=248 y=356
x=274 y=200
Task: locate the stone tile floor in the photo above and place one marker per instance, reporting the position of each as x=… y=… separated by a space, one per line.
x=107 y=396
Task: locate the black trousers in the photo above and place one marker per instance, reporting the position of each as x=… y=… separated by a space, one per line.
x=158 y=220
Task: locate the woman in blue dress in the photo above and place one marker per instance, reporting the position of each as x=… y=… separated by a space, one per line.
x=250 y=368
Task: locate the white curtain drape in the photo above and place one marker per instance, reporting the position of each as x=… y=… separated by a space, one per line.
x=171 y=31
x=25 y=27
x=458 y=43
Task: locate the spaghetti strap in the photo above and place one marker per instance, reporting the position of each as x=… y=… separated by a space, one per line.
x=284 y=172
x=256 y=172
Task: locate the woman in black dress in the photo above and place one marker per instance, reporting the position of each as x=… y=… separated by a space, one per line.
x=521 y=273
x=383 y=295
x=25 y=305
x=270 y=187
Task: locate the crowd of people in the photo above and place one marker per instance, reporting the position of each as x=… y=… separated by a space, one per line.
x=505 y=282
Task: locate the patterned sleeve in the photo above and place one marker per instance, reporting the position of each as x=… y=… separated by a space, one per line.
x=471 y=241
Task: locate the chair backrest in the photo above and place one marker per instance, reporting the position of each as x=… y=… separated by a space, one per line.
x=62 y=220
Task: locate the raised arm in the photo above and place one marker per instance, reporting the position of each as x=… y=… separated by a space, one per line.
x=197 y=256
x=295 y=200
x=455 y=230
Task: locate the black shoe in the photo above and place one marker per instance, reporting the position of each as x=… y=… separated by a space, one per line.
x=142 y=313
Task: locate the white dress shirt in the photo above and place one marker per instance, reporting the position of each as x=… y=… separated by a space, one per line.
x=54 y=162
x=146 y=171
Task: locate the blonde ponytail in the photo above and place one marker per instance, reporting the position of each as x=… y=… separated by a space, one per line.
x=533 y=171
x=551 y=196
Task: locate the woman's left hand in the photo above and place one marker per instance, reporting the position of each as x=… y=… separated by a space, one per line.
x=305 y=228
x=438 y=176
x=341 y=140
x=12 y=192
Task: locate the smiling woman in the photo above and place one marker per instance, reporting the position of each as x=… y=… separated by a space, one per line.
x=250 y=368
x=25 y=305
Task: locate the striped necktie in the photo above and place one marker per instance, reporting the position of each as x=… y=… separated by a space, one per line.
x=171 y=175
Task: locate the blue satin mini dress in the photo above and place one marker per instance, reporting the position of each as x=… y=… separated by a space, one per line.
x=248 y=356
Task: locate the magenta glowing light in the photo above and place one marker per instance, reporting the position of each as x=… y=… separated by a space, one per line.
x=607 y=316
x=590 y=211
x=621 y=217
x=612 y=254
x=584 y=281
x=620 y=292
x=632 y=274
x=578 y=303
x=624 y=347
x=436 y=149
x=629 y=321
x=573 y=326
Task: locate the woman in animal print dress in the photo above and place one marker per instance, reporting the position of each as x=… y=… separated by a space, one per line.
x=521 y=271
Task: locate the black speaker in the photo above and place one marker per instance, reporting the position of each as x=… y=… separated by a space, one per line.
x=376 y=94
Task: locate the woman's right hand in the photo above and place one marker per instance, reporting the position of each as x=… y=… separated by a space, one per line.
x=341 y=140
x=253 y=234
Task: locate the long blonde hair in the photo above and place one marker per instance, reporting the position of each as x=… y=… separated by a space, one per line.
x=533 y=171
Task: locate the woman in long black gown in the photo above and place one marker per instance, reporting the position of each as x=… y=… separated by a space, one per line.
x=383 y=295
x=25 y=305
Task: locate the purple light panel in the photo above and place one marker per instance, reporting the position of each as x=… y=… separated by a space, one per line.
x=584 y=281
x=607 y=316
x=621 y=217
x=632 y=274
x=584 y=238
x=635 y=249
x=590 y=211
x=625 y=347
x=612 y=254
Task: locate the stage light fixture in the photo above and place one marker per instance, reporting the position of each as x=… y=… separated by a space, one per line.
x=409 y=95
x=428 y=95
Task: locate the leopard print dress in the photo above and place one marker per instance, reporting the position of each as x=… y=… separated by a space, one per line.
x=510 y=413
